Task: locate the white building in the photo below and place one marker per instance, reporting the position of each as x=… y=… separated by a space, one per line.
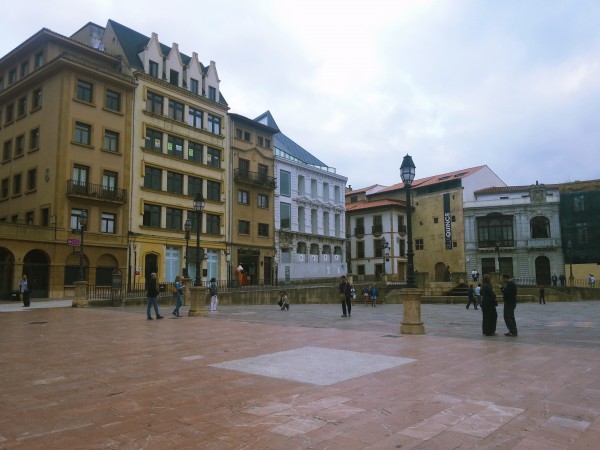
x=309 y=213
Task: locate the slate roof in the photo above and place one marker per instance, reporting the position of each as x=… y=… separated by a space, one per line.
x=428 y=181
x=287 y=145
x=364 y=205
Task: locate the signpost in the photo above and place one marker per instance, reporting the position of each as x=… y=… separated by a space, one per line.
x=73 y=242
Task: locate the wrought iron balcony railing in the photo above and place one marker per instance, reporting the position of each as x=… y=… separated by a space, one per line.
x=96 y=191
x=257 y=178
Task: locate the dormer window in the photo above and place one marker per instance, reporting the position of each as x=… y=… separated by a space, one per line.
x=194 y=86
x=212 y=94
x=174 y=77
x=154 y=69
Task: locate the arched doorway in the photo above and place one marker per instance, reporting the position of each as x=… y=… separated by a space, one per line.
x=36 y=265
x=542 y=271
x=151 y=265
x=7 y=272
x=440 y=271
x=104 y=269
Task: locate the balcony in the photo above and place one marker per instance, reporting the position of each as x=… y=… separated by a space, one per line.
x=255 y=178
x=377 y=229
x=96 y=192
x=359 y=232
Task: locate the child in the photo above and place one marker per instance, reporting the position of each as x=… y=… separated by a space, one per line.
x=212 y=290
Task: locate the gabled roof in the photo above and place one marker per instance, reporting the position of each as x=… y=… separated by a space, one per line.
x=365 y=189
x=509 y=189
x=364 y=205
x=287 y=145
x=435 y=179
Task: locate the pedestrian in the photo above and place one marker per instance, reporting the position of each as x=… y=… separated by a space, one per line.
x=345 y=297
x=509 y=294
x=284 y=301
x=373 y=295
x=478 y=295
x=554 y=280
x=178 y=295
x=488 y=306
x=365 y=293
x=213 y=291
x=562 y=279
x=471 y=297
x=240 y=275
x=152 y=294
x=542 y=298
x=24 y=290
x=474 y=275
x=352 y=293
x=591 y=280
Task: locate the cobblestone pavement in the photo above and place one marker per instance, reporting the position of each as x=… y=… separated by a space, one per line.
x=255 y=377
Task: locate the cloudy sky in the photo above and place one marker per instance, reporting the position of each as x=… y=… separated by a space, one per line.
x=513 y=84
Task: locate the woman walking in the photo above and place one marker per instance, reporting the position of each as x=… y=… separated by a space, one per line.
x=178 y=294
x=488 y=306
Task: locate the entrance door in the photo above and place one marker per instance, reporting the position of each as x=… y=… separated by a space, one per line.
x=150 y=265
x=267 y=270
x=542 y=271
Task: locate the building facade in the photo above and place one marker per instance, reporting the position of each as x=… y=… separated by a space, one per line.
x=65 y=129
x=309 y=213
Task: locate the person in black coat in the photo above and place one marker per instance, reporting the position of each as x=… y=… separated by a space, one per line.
x=488 y=306
x=509 y=294
x=345 y=297
x=152 y=294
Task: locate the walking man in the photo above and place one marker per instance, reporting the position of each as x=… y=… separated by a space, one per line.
x=24 y=290
x=542 y=298
x=509 y=294
x=345 y=297
x=152 y=293
x=471 y=297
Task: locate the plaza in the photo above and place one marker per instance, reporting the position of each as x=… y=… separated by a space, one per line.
x=255 y=377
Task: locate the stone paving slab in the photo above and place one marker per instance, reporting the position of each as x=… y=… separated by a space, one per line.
x=108 y=378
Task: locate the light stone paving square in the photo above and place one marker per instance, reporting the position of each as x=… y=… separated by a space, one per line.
x=315 y=365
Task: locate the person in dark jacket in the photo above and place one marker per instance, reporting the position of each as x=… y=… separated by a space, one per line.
x=471 y=297
x=345 y=297
x=488 y=306
x=509 y=294
x=152 y=294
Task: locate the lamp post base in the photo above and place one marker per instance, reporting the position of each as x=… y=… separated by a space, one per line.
x=197 y=302
x=411 y=320
x=81 y=298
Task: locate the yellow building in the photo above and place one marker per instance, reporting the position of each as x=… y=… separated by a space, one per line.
x=251 y=202
x=65 y=130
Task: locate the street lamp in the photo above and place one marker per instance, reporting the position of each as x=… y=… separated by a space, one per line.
x=384 y=246
x=83 y=219
x=569 y=250
x=198 y=207
x=498 y=253
x=407 y=173
x=187 y=226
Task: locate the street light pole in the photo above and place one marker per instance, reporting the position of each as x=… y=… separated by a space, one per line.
x=569 y=250
x=187 y=226
x=498 y=253
x=384 y=246
x=198 y=207
x=83 y=218
x=407 y=173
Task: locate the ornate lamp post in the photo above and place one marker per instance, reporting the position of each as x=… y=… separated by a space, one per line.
x=187 y=226
x=83 y=219
x=569 y=250
x=407 y=173
x=198 y=207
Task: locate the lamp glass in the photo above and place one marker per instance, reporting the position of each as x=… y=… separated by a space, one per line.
x=83 y=218
x=407 y=170
x=199 y=202
x=187 y=226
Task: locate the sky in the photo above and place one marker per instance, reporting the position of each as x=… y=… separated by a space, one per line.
x=511 y=84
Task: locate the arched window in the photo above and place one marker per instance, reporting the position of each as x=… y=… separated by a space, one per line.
x=540 y=227
x=495 y=229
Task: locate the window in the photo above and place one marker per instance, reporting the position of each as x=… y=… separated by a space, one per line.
x=83 y=133
x=31 y=179
x=45 y=217
x=7 y=150
x=326 y=223
x=22 y=107
x=247 y=136
x=36 y=99
x=153 y=69
x=194 y=186
x=4 y=188
x=213 y=224
x=263 y=230
x=75 y=213
x=175 y=146
x=80 y=178
x=436 y=220
x=175 y=182
x=244 y=227
x=153 y=178
x=107 y=223
x=212 y=93
x=84 y=91
x=244 y=168
x=360 y=249
x=336 y=194
x=194 y=86
x=174 y=219
x=176 y=110
x=495 y=229
x=301 y=185
x=17 y=184
x=19 y=145
x=12 y=76
x=195 y=118
x=285 y=183
x=111 y=141
x=109 y=181
x=194 y=152
x=1 y=82
x=238 y=133
x=38 y=59
x=154 y=140
x=263 y=172
x=313 y=188
x=10 y=112
x=285 y=256
x=540 y=227
x=419 y=244
x=154 y=103
x=113 y=100
x=174 y=77
x=243 y=197
x=285 y=216
x=263 y=201
x=325 y=192
x=29 y=217
x=214 y=124
x=213 y=190
x=313 y=221
x=213 y=157
x=268 y=143
x=24 y=69
x=34 y=139
x=151 y=215
x=578 y=203
x=261 y=141
x=337 y=225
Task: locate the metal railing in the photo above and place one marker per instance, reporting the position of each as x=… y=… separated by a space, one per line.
x=96 y=191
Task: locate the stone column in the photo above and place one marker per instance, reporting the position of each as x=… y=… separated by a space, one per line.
x=81 y=298
x=198 y=298
x=411 y=321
